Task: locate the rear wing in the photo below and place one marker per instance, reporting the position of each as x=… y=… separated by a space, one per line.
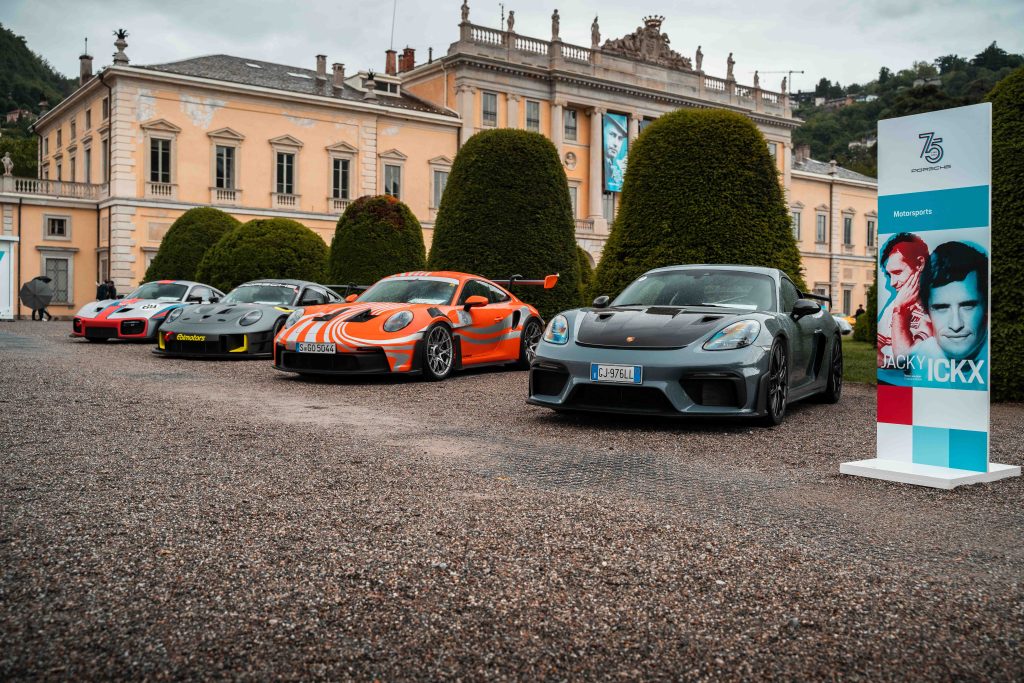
x=817 y=297
x=345 y=290
x=548 y=282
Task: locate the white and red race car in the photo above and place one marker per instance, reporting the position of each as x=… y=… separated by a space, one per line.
x=139 y=315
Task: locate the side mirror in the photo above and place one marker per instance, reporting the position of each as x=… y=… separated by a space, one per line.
x=351 y=297
x=805 y=307
x=214 y=299
x=601 y=302
x=474 y=301
x=194 y=300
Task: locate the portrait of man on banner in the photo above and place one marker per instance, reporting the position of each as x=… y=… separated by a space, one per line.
x=616 y=150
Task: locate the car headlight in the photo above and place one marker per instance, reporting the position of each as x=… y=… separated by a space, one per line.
x=557 y=331
x=398 y=321
x=250 y=318
x=735 y=336
x=174 y=315
x=295 y=316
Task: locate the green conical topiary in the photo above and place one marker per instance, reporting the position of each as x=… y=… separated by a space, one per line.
x=375 y=237
x=1007 y=100
x=506 y=211
x=187 y=241
x=586 y=275
x=700 y=187
x=264 y=248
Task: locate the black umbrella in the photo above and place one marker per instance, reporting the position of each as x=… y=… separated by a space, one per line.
x=37 y=292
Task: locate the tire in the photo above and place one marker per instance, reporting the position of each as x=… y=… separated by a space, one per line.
x=776 y=385
x=834 y=387
x=438 y=352
x=528 y=341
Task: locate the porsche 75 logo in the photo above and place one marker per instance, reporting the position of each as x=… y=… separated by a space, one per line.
x=191 y=337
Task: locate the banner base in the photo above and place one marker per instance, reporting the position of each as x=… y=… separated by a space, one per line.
x=926 y=475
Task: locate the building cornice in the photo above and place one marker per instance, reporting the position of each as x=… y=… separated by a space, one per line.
x=825 y=178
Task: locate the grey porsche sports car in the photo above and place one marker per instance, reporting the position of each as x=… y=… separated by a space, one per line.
x=700 y=340
x=241 y=325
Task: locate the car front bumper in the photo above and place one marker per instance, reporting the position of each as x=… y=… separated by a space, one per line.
x=138 y=329
x=195 y=344
x=675 y=382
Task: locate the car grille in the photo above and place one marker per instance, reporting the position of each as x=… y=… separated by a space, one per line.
x=715 y=391
x=101 y=332
x=333 y=362
x=624 y=398
x=548 y=380
x=133 y=327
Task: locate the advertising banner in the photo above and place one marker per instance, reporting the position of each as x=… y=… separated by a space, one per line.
x=616 y=149
x=934 y=265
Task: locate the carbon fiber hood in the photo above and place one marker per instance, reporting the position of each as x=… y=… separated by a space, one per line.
x=650 y=327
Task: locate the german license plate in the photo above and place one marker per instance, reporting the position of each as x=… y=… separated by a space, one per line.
x=623 y=374
x=315 y=347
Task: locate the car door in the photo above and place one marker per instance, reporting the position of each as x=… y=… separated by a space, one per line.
x=480 y=338
x=800 y=333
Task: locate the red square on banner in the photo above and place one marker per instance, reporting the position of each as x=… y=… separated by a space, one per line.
x=895 y=405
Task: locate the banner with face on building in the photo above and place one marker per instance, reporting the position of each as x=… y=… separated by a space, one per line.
x=616 y=150
x=934 y=264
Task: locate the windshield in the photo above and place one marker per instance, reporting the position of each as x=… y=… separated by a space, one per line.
x=411 y=291
x=696 y=287
x=262 y=293
x=160 y=290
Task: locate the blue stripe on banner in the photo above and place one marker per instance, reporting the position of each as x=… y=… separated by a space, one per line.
x=963 y=207
x=931 y=446
x=968 y=450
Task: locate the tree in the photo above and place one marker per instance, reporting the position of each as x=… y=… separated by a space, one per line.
x=375 y=237
x=586 y=274
x=1007 y=366
x=995 y=58
x=950 y=63
x=866 y=329
x=264 y=248
x=822 y=88
x=187 y=241
x=506 y=211
x=701 y=187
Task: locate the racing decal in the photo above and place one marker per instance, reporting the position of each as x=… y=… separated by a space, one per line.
x=187 y=337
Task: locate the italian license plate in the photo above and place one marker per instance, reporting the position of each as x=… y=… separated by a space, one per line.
x=623 y=374
x=315 y=347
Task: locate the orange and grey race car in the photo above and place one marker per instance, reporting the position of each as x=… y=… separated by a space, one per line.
x=431 y=323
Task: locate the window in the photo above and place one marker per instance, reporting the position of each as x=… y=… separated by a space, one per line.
x=569 y=119
x=440 y=182
x=200 y=294
x=58 y=269
x=160 y=161
x=46 y=146
x=773 y=149
x=339 y=178
x=88 y=119
x=56 y=227
x=87 y=162
x=789 y=295
x=847 y=301
x=74 y=127
x=285 y=183
x=60 y=137
x=104 y=158
x=574 y=197
x=46 y=172
x=224 y=172
x=870 y=241
x=74 y=167
x=393 y=180
x=533 y=116
x=820 y=233
x=106 y=108
x=312 y=297
x=848 y=230
x=490 y=109
x=608 y=206
x=478 y=288
x=103 y=266
x=795 y=220
x=60 y=171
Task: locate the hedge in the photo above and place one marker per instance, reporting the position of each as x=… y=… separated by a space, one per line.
x=586 y=275
x=264 y=248
x=187 y=241
x=866 y=329
x=700 y=187
x=1007 y=368
x=375 y=237
x=506 y=211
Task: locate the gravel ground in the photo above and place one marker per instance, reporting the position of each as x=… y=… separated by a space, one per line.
x=176 y=519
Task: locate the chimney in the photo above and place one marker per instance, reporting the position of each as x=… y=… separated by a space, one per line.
x=321 y=67
x=408 y=61
x=84 y=68
x=44 y=107
x=833 y=167
x=389 y=63
x=339 y=76
x=802 y=153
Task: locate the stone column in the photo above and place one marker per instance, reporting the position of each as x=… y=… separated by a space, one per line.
x=596 y=176
x=557 y=125
x=513 y=111
x=634 y=125
x=464 y=105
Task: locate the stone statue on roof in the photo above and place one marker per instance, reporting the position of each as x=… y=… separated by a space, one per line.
x=465 y=11
x=648 y=44
x=729 y=64
x=698 y=59
x=8 y=164
x=784 y=79
x=595 y=34
x=511 y=21
x=757 y=79
x=555 y=20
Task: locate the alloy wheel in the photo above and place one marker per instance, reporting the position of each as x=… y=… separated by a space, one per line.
x=531 y=337
x=778 y=381
x=439 y=351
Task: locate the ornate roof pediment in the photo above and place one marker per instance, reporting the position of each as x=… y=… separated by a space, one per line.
x=342 y=147
x=226 y=134
x=161 y=125
x=393 y=155
x=286 y=141
x=441 y=161
x=648 y=44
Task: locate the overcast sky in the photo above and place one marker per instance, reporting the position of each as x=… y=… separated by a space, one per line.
x=844 y=41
